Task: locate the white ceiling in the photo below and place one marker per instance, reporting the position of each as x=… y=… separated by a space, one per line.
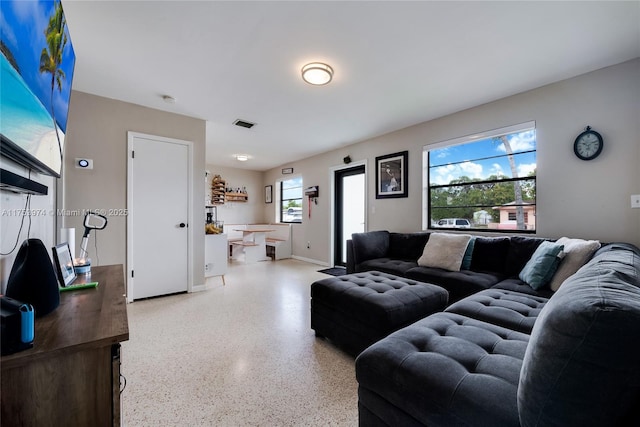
x=396 y=63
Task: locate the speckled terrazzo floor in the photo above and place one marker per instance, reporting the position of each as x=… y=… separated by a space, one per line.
x=236 y=355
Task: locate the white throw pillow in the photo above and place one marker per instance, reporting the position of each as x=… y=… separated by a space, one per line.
x=577 y=253
x=444 y=251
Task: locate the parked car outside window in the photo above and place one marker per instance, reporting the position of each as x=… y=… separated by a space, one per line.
x=453 y=223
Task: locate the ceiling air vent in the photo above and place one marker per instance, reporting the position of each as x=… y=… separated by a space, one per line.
x=244 y=124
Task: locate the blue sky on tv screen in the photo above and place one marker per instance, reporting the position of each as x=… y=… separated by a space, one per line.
x=483 y=158
x=23 y=25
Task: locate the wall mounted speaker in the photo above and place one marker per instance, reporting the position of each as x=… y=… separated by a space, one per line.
x=347 y=160
x=33 y=280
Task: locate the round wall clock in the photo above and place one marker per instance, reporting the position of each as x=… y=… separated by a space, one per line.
x=588 y=144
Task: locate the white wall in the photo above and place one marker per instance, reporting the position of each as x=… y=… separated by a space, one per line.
x=250 y=212
x=97 y=129
x=575 y=198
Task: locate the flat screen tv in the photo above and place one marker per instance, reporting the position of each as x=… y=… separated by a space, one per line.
x=37 y=71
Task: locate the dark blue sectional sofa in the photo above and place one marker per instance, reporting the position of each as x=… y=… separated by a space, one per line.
x=502 y=354
x=495 y=262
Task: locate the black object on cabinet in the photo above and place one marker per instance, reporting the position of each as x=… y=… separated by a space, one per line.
x=32 y=278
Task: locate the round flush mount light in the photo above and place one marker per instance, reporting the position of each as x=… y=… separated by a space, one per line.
x=242 y=157
x=317 y=73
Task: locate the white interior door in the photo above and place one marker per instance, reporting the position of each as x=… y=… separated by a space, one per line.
x=159 y=212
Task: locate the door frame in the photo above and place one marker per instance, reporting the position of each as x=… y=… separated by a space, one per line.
x=189 y=144
x=332 y=210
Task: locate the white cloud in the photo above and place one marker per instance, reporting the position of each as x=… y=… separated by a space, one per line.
x=442 y=153
x=447 y=173
x=524 y=170
x=520 y=142
x=472 y=170
x=496 y=169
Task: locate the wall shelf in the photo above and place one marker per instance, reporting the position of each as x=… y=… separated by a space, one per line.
x=237 y=197
x=220 y=193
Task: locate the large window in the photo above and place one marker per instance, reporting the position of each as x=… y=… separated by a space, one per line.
x=482 y=182
x=291 y=200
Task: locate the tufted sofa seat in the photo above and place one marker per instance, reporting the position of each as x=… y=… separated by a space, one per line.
x=510 y=309
x=359 y=309
x=472 y=373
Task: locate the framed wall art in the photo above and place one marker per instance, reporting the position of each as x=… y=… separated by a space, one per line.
x=392 y=175
x=268 y=194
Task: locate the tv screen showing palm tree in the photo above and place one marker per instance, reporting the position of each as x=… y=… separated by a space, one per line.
x=37 y=70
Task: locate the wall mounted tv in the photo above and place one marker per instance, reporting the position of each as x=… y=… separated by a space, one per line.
x=37 y=70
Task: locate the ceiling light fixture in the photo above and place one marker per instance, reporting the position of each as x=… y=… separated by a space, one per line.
x=242 y=157
x=317 y=73
x=168 y=99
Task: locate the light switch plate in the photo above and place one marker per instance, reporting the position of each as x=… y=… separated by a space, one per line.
x=635 y=201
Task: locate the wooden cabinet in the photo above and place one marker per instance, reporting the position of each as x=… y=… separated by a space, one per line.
x=71 y=376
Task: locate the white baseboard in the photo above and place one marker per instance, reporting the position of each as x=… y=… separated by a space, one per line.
x=312 y=261
x=198 y=288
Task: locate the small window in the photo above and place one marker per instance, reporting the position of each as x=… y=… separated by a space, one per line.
x=513 y=216
x=483 y=182
x=291 y=200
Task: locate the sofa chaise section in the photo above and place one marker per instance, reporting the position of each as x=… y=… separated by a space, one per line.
x=444 y=370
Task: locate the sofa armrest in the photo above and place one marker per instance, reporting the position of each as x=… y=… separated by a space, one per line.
x=582 y=364
x=369 y=245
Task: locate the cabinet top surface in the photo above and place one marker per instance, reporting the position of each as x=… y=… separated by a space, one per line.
x=92 y=317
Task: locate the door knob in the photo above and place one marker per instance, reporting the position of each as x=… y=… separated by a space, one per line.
x=182 y=225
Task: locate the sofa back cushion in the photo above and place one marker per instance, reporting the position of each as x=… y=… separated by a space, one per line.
x=407 y=246
x=490 y=254
x=520 y=250
x=370 y=245
x=444 y=250
x=576 y=253
x=582 y=364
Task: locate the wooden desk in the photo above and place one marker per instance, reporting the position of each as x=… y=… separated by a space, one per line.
x=254 y=244
x=71 y=376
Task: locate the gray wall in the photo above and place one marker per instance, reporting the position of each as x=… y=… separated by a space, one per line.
x=97 y=129
x=575 y=198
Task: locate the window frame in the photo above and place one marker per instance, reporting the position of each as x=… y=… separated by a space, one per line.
x=281 y=199
x=428 y=225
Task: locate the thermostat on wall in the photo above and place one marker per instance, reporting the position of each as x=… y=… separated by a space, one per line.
x=84 y=163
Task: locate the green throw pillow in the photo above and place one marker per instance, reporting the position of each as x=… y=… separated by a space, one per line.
x=542 y=266
x=466 y=259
